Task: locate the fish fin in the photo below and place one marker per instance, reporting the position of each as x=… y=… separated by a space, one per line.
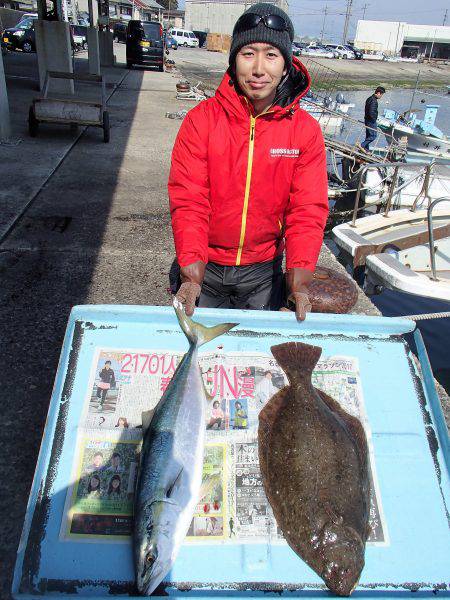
x=353 y=424
x=170 y=489
x=296 y=359
x=198 y=334
x=147 y=417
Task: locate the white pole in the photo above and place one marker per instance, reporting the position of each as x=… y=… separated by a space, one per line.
x=432 y=45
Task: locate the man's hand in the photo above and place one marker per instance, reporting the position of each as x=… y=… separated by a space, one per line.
x=297 y=280
x=191 y=282
x=187 y=295
x=301 y=303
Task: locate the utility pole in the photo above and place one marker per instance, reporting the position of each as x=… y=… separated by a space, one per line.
x=365 y=7
x=347 y=19
x=445 y=17
x=323 y=24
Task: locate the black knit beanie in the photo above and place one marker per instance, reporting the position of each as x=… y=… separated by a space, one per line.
x=280 y=39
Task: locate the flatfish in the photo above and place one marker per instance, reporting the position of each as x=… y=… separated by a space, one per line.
x=313 y=458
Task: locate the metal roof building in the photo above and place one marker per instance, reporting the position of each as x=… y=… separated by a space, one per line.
x=396 y=37
x=219 y=16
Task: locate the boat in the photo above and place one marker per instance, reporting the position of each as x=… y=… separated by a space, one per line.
x=328 y=112
x=375 y=185
x=421 y=269
x=391 y=230
x=419 y=135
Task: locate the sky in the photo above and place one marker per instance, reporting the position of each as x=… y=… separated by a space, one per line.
x=307 y=15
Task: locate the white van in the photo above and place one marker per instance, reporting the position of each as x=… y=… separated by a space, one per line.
x=184 y=37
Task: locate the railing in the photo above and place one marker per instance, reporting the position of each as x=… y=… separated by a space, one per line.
x=393 y=190
x=431 y=236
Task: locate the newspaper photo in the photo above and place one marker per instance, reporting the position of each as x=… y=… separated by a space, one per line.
x=232 y=507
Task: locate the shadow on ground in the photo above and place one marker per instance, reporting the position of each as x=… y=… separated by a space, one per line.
x=98 y=231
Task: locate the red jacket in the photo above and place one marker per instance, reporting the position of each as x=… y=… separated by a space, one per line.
x=239 y=184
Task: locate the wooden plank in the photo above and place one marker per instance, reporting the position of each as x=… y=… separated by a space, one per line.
x=402 y=243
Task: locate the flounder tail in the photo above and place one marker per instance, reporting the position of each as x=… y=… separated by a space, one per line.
x=199 y=334
x=296 y=359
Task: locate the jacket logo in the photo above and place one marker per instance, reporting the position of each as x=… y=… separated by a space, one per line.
x=284 y=152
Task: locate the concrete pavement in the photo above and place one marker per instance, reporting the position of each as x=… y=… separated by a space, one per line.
x=97 y=231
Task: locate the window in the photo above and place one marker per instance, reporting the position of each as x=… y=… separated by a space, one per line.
x=153 y=31
x=192 y=35
x=25 y=24
x=186 y=34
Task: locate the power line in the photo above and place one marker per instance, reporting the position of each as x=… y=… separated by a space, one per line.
x=323 y=24
x=445 y=17
x=365 y=7
x=347 y=18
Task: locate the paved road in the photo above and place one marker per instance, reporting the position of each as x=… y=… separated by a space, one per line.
x=97 y=232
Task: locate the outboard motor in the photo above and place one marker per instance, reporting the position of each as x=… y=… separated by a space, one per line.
x=340 y=98
x=327 y=101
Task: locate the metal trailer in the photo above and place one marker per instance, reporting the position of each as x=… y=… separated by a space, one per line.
x=69 y=111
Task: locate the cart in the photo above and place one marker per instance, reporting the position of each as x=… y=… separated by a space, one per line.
x=69 y=111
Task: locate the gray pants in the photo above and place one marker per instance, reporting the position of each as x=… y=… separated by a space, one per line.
x=255 y=287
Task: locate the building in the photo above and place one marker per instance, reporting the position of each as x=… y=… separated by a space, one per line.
x=398 y=38
x=124 y=10
x=173 y=18
x=219 y=16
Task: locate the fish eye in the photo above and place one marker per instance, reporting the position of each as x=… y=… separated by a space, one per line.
x=150 y=558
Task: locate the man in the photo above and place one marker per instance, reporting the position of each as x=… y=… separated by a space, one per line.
x=371 y=116
x=265 y=389
x=96 y=465
x=107 y=381
x=115 y=467
x=249 y=178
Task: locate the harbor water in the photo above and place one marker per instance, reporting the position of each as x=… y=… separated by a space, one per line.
x=436 y=332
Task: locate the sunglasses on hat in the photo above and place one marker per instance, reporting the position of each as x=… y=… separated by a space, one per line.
x=251 y=20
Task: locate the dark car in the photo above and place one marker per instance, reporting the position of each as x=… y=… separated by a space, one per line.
x=145 y=44
x=120 y=32
x=201 y=36
x=170 y=42
x=79 y=36
x=358 y=53
x=20 y=37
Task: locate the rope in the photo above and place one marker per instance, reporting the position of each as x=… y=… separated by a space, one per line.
x=422 y=317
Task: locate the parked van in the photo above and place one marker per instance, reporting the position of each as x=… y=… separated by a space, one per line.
x=145 y=44
x=184 y=37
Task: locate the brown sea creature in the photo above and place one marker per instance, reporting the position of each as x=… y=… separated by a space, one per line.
x=331 y=292
x=313 y=458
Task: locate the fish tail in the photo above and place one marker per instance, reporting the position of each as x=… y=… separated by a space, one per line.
x=296 y=359
x=199 y=334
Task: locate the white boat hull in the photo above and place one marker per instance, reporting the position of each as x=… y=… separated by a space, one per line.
x=409 y=271
x=415 y=142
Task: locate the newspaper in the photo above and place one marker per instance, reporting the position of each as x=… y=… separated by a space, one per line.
x=232 y=507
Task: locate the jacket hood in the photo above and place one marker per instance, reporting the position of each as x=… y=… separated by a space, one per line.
x=292 y=88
